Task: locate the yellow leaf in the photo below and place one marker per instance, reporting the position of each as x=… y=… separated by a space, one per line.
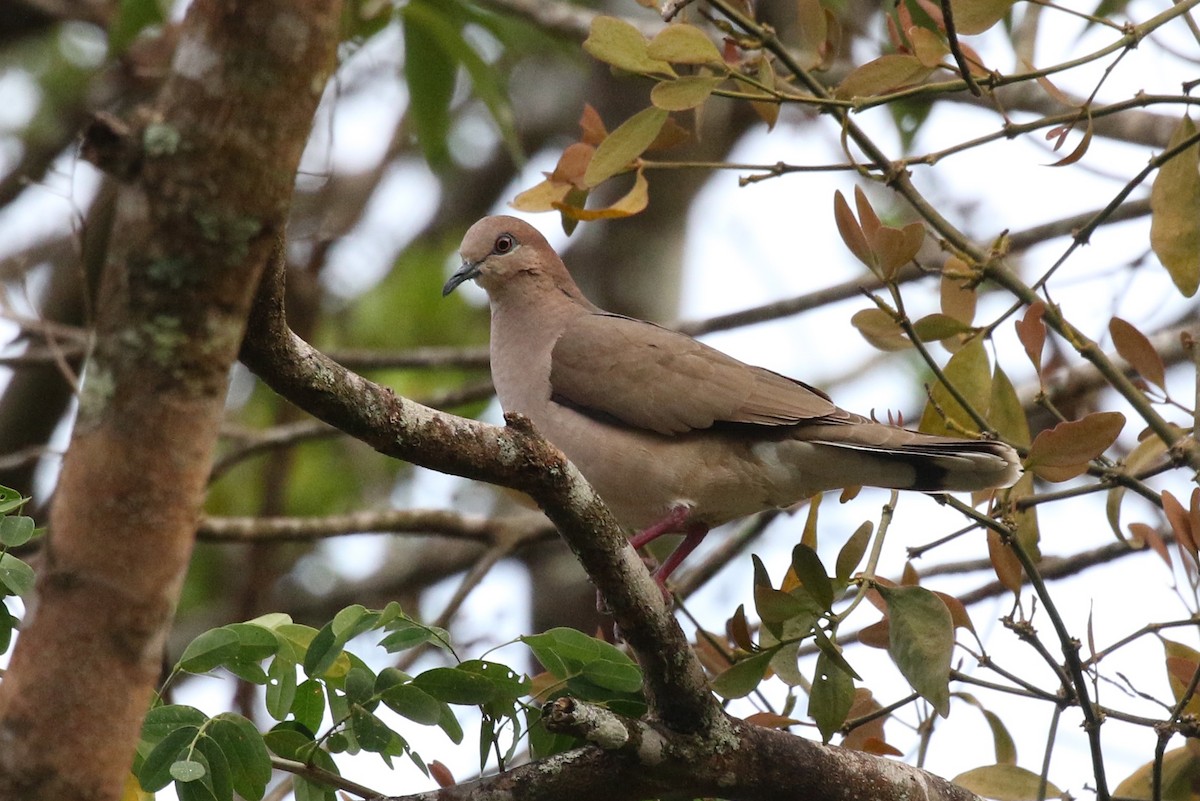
x=683 y=93
x=1180 y=773
x=976 y=16
x=882 y=75
x=617 y=42
x=1175 y=212
x=1005 y=783
x=684 y=44
x=634 y=201
x=542 y=197
x=879 y=329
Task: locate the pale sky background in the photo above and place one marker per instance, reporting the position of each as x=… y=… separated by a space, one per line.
x=773 y=240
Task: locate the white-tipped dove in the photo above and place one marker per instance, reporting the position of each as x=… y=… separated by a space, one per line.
x=675 y=436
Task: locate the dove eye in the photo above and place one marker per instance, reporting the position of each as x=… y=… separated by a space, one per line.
x=504 y=244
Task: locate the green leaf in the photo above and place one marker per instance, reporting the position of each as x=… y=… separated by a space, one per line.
x=162 y=720
x=1175 y=212
x=255 y=643
x=618 y=675
x=16 y=576
x=309 y=707
x=812 y=575
x=449 y=724
x=212 y=648
x=430 y=72
x=15 y=530
x=968 y=371
x=360 y=685
x=186 y=770
x=937 y=326
x=412 y=702
x=281 y=687
x=371 y=733
x=776 y=606
x=456 y=686
x=617 y=42
x=618 y=150
x=132 y=17
x=921 y=641
x=215 y=783
x=1005 y=783
x=743 y=677
x=852 y=553
x=290 y=741
x=245 y=751
x=882 y=75
x=684 y=93
x=155 y=773
x=11 y=500
x=407 y=634
x=681 y=43
x=831 y=697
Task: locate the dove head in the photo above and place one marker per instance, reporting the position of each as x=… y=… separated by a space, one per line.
x=504 y=254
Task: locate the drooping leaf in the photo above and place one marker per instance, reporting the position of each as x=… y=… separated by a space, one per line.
x=1032 y=333
x=851 y=231
x=1005 y=783
x=921 y=641
x=813 y=576
x=852 y=552
x=1135 y=348
x=1175 y=212
x=831 y=697
x=1180 y=774
x=1006 y=564
x=1146 y=453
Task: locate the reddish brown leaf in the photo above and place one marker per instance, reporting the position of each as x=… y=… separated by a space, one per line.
x=572 y=164
x=739 y=630
x=1150 y=536
x=1181 y=522
x=592 y=126
x=958 y=612
x=441 y=774
x=874 y=745
x=1004 y=562
x=1080 y=149
x=1064 y=451
x=852 y=233
x=770 y=720
x=1032 y=333
x=876 y=635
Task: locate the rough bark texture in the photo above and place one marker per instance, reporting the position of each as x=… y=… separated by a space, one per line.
x=209 y=172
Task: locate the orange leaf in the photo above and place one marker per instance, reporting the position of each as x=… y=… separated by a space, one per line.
x=770 y=720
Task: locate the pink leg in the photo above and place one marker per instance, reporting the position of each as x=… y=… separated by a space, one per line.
x=671 y=524
x=675 y=522
x=693 y=535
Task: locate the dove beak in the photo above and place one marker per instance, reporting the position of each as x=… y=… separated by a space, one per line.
x=466 y=272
